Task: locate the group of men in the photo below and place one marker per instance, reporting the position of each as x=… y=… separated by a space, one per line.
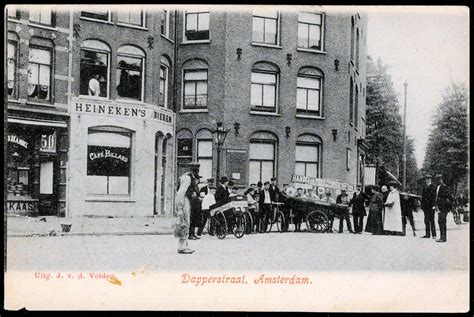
x=388 y=211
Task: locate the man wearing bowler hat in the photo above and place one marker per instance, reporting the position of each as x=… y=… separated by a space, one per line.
x=222 y=192
x=427 y=204
x=205 y=189
x=187 y=191
x=442 y=202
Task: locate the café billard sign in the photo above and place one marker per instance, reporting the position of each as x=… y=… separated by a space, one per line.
x=121 y=111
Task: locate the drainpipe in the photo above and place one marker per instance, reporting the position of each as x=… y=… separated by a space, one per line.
x=175 y=109
x=69 y=95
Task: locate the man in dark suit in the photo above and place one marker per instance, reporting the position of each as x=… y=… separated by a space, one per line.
x=443 y=203
x=222 y=192
x=427 y=204
x=265 y=204
x=358 y=208
x=205 y=189
x=274 y=190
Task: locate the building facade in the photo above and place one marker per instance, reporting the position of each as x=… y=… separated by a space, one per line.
x=289 y=85
x=36 y=89
x=110 y=75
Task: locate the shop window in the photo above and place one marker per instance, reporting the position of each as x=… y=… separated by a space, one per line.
x=109 y=161
x=204 y=153
x=130 y=68
x=262 y=157
x=196 y=26
x=165 y=23
x=42 y=16
x=19 y=163
x=133 y=17
x=265 y=27
x=310 y=30
x=12 y=83
x=102 y=15
x=164 y=75
x=39 y=73
x=195 y=89
x=264 y=90
x=94 y=76
x=307 y=156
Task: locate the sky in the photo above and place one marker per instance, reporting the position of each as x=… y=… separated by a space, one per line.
x=427 y=47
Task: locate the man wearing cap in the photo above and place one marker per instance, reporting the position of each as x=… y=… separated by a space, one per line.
x=331 y=201
x=265 y=204
x=187 y=191
x=274 y=190
x=443 y=204
x=343 y=199
x=427 y=204
x=222 y=192
x=358 y=202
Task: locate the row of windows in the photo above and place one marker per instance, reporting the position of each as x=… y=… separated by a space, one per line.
x=94 y=70
x=263 y=154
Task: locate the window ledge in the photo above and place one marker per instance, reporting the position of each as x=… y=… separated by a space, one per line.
x=301 y=49
x=351 y=124
x=357 y=71
x=262 y=113
x=196 y=42
x=95 y=20
x=356 y=129
x=167 y=38
x=132 y=26
x=14 y=100
x=193 y=111
x=43 y=104
x=105 y=198
x=136 y=102
x=13 y=20
x=308 y=116
x=266 y=45
x=352 y=62
x=94 y=98
x=46 y=27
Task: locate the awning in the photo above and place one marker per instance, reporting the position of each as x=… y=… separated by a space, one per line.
x=38 y=122
x=392 y=176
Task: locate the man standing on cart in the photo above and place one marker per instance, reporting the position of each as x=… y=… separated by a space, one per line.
x=187 y=191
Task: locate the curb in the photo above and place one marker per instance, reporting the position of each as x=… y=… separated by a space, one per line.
x=97 y=234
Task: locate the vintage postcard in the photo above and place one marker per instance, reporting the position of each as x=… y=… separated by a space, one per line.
x=236 y=158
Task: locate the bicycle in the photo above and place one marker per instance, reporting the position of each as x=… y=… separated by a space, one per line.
x=277 y=218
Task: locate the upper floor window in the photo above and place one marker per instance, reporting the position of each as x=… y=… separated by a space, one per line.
x=13 y=13
x=351 y=102
x=352 y=37
x=39 y=72
x=165 y=23
x=309 y=88
x=96 y=14
x=164 y=82
x=12 y=52
x=133 y=17
x=94 y=75
x=357 y=49
x=264 y=89
x=195 y=89
x=265 y=27
x=130 y=68
x=356 y=107
x=196 y=26
x=42 y=16
x=310 y=30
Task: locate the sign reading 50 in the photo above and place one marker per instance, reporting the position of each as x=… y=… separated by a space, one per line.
x=48 y=142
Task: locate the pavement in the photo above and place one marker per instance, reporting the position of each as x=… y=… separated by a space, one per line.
x=21 y=226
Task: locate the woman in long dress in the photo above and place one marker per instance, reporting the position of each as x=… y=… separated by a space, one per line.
x=392 y=223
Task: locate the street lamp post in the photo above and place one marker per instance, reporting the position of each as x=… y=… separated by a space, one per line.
x=404 y=156
x=219 y=137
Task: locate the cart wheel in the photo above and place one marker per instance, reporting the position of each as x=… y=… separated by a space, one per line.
x=317 y=221
x=248 y=222
x=281 y=222
x=239 y=226
x=220 y=225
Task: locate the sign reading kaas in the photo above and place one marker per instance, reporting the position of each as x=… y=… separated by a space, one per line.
x=321 y=182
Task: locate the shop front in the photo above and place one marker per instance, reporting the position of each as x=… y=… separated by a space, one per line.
x=36 y=167
x=121 y=159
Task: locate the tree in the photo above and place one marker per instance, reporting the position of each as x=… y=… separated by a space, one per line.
x=447 y=148
x=384 y=132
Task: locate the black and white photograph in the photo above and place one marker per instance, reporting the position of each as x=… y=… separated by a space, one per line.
x=246 y=158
